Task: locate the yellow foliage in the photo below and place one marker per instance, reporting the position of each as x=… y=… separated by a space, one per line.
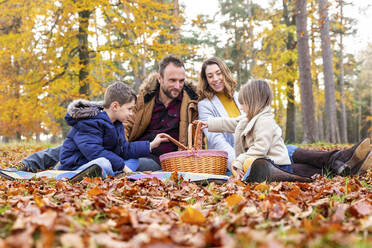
x=39 y=55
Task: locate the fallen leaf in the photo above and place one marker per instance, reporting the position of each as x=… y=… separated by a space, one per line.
x=193 y=216
x=262 y=187
x=233 y=200
x=95 y=191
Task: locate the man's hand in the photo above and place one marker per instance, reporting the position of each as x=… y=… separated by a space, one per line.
x=158 y=139
x=204 y=123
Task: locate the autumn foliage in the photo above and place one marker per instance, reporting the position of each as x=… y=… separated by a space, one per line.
x=116 y=212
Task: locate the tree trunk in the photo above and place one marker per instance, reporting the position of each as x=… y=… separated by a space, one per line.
x=290 y=131
x=138 y=79
x=342 y=100
x=330 y=102
x=307 y=101
x=176 y=13
x=83 y=51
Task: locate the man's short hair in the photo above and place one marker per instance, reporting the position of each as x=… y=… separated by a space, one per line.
x=177 y=61
x=118 y=92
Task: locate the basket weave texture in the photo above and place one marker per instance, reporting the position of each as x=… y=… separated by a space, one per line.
x=192 y=158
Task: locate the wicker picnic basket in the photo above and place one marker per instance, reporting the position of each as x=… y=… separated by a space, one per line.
x=193 y=158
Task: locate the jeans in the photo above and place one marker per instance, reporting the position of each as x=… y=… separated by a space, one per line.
x=148 y=164
x=43 y=160
x=102 y=162
x=291 y=149
x=48 y=159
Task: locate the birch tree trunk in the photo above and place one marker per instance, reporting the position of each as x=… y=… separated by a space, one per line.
x=330 y=102
x=307 y=98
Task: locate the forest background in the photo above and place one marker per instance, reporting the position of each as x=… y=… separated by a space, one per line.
x=52 y=52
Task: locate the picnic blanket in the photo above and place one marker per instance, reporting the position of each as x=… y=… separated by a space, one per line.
x=76 y=175
x=95 y=170
x=187 y=176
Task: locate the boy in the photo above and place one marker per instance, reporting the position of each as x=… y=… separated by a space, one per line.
x=97 y=134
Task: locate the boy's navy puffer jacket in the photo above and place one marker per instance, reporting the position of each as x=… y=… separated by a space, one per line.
x=93 y=135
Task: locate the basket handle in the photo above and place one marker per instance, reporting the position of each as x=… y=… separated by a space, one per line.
x=198 y=137
x=179 y=144
x=189 y=136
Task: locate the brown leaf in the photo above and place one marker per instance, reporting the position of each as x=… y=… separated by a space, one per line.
x=361 y=208
x=339 y=214
x=95 y=191
x=277 y=211
x=72 y=240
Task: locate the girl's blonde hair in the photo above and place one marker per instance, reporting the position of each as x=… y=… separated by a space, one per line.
x=205 y=91
x=255 y=95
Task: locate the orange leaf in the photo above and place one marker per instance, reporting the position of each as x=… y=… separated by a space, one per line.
x=233 y=200
x=95 y=191
x=193 y=216
x=262 y=187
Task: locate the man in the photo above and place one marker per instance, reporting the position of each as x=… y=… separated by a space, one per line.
x=166 y=104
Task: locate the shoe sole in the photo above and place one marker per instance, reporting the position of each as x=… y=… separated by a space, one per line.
x=367 y=164
x=92 y=171
x=359 y=154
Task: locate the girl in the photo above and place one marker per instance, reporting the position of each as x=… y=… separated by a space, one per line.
x=257 y=135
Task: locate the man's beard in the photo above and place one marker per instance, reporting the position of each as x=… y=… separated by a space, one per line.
x=169 y=93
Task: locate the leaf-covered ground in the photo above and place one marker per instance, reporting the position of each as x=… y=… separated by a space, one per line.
x=333 y=212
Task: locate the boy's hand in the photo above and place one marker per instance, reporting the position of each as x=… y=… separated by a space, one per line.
x=158 y=139
x=204 y=123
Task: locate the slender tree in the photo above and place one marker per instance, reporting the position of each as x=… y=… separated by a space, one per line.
x=290 y=130
x=330 y=102
x=307 y=101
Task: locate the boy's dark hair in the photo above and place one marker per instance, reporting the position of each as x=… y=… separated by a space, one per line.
x=118 y=92
x=167 y=60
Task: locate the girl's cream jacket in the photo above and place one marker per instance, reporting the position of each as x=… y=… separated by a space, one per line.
x=259 y=138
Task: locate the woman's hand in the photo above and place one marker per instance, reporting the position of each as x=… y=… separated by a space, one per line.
x=204 y=123
x=158 y=139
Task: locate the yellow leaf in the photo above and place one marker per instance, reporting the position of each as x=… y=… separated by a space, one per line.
x=233 y=200
x=39 y=200
x=262 y=187
x=193 y=216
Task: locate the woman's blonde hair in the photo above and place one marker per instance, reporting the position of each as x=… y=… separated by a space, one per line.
x=205 y=91
x=255 y=95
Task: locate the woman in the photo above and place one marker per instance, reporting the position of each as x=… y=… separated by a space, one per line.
x=218 y=99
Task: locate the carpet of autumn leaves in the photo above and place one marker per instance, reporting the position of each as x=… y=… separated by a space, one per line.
x=116 y=212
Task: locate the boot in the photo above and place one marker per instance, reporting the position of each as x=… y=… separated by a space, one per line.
x=340 y=162
x=363 y=165
x=343 y=162
x=264 y=170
